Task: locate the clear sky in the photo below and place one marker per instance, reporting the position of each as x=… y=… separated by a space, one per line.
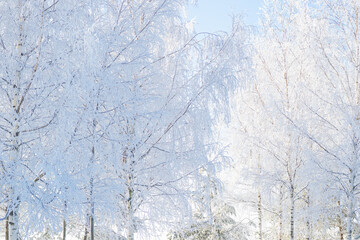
x=215 y=15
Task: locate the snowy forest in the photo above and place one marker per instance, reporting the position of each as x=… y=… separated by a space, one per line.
x=119 y=121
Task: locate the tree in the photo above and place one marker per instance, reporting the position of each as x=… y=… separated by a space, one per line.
x=276 y=90
x=31 y=82
x=302 y=115
x=333 y=110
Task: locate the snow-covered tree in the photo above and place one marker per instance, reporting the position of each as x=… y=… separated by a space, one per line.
x=101 y=106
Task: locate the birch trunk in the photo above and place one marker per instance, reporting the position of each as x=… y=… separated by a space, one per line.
x=91 y=198
x=14 y=223
x=130 y=216
x=351 y=207
x=308 y=221
x=86 y=233
x=7 y=228
x=292 y=213
x=260 y=216
x=130 y=208
x=92 y=211
x=13 y=218
x=281 y=215
x=340 y=229
x=129 y=164
x=64 y=230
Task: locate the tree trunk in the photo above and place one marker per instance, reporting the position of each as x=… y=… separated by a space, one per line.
x=14 y=223
x=259 y=201
x=292 y=213
x=340 y=223
x=350 y=218
x=7 y=229
x=260 y=216
x=64 y=229
x=91 y=198
x=130 y=219
x=92 y=230
x=281 y=215
x=308 y=227
x=308 y=222
x=341 y=230
x=86 y=233
x=13 y=219
x=128 y=160
x=351 y=207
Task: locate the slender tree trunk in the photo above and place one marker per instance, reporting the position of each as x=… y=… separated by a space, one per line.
x=351 y=195
x=92 y=230
x=281 y=215
x=13 y=219
x=92 y=205
x=351 y=207
x=130 y=220
x=308 y=227
x=7 y=229
x=341 y=233
x=292 y=213
x=260 y=216
x=64 y=230
x=64 y=220
x=14 y=223
x=128 y=160
x=340 y=223
x=86 y=233
x=259 y=206
x=350 y=218
x=308 y=221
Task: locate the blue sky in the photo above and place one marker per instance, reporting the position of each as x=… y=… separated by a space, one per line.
x=215 y=15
